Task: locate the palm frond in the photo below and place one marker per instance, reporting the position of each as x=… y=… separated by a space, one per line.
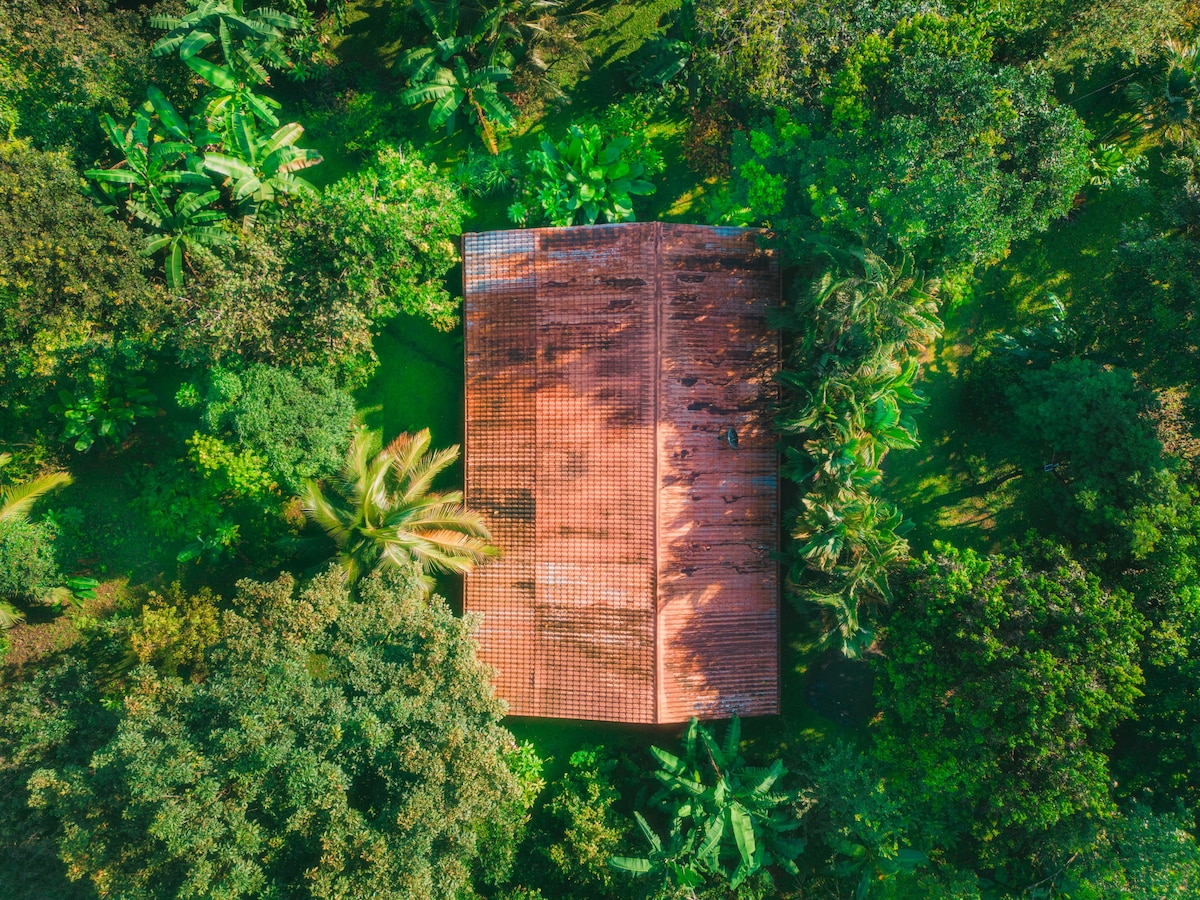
x=17 y=500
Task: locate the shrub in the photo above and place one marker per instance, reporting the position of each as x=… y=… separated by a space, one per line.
x=175 y=630
x=28 y=568
x=582 y=828
x=297 y=422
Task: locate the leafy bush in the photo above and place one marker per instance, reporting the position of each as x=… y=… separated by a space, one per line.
x=298 y=422
x=340 y=746
x=582 y=179
x=213 y=501
x=579 y=829
x=310 y=288
x=73 y=285
x=175 y=630
x=28 y=567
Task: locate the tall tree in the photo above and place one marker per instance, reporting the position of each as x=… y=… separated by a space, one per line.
x=341 y=746
x=1002 y=681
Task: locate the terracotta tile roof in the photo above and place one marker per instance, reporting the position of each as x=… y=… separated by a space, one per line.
x=605 y=367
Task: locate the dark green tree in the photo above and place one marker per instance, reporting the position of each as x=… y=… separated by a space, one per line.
x=922 y=140
x=340 y=746
x=1002 y=680
x=1091 y=457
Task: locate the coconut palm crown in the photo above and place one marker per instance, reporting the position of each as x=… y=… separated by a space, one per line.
x=380 y=511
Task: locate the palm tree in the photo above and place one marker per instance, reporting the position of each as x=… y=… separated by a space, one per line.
x=16 y=500
x=864 y=309
x=1170 y=105
x=381 y=513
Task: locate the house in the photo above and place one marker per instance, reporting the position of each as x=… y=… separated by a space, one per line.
x=619 y=395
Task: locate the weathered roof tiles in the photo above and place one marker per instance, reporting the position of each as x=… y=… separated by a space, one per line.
x=618 y=441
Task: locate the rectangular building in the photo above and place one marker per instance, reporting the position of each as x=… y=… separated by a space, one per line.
x=619 y=444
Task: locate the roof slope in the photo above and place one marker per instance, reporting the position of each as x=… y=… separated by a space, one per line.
x=603 y=365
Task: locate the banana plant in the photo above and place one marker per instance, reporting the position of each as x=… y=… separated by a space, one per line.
x=185 y=223
x=157 y=156
x=729 y=820
x=452 y=87
x=105 y=412
x=222 y=107
x=261 y=168
x=457 y=71
x=671 y=858
x=248 y=41
x=583 y=179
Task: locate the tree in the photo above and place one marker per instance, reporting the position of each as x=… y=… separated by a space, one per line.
x=61 y=64
x=1001 y=682
x=1088 y=448
x=73 y=283
x=1170 y=105
x=381 y=513
x=248 y=41
x=727 y=819
x=261 y=167
x=922 y=140
x=464 y=66
x=341 y=746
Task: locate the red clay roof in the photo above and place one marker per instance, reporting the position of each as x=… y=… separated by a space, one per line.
x=605 y=366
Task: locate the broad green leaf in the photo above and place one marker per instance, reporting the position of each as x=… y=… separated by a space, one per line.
x=743 y=832
x=213 y=74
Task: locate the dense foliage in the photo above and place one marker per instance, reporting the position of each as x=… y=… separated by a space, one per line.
x=852 y=379
x=340 y=745
x=1004 y=679
x=986 y=215
x=74 y=290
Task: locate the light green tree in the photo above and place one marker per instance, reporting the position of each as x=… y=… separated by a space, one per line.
x=381 y=512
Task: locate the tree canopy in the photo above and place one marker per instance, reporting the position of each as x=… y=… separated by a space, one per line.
x=1003 y=679
x=342 y=745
